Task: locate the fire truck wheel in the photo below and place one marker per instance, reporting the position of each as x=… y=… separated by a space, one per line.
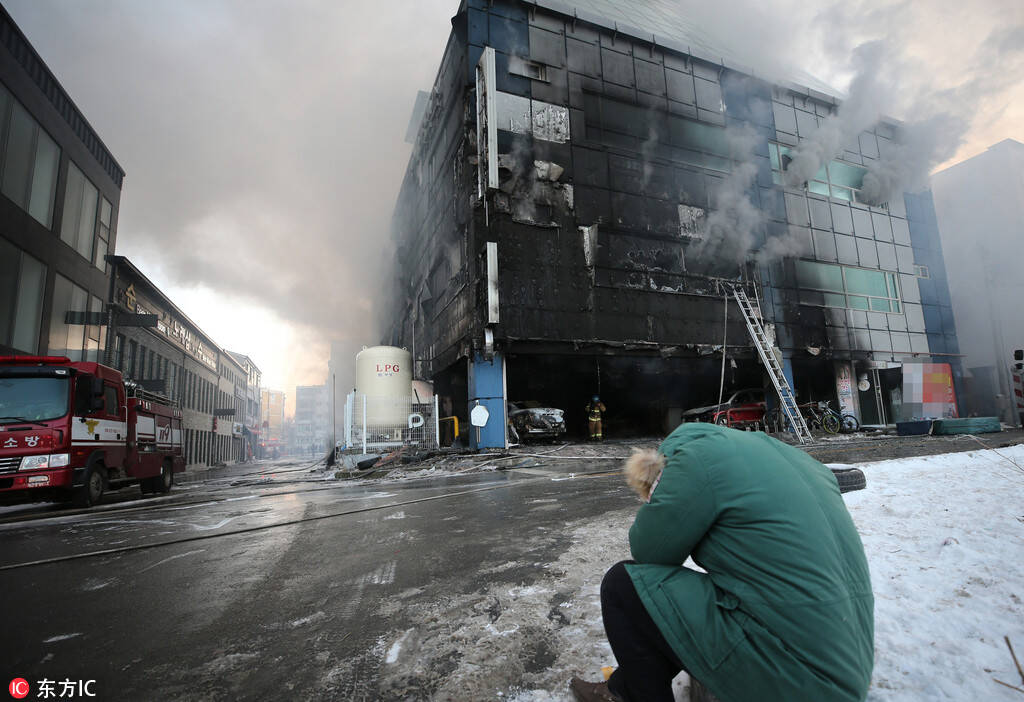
x=95 y=485
x=164 y=481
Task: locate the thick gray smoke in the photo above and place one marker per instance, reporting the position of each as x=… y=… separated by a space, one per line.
x=871 y=90
x=731 y=230
x=935 y=109
x=263 y=142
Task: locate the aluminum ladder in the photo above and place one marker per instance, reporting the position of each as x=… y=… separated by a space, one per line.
x=752 y=316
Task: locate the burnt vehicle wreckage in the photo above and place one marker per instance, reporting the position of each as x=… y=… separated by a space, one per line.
x=528 y=421
x=578 y=216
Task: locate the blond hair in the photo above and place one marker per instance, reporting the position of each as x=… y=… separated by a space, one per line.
x=642 y=469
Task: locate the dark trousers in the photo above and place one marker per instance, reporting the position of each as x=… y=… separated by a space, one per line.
x=647 y=663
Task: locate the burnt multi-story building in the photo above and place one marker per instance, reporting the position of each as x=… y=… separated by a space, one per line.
x=61 y=188
x=584 y=179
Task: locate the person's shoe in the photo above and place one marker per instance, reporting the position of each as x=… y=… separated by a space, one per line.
x=585 y=691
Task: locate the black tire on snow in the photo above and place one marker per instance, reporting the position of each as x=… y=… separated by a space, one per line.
x=699 y=693
x=850 y=479
x=163 y=482
x=91 y=492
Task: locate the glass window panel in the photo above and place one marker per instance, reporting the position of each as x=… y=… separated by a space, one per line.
x=18 y=161
x=87 y=223
x=822 y=174
x=76 y=332
x=773 y=153
x=894 y=291
x=718 y=164
x=72 y=205
x=105 y=212
x=58 y=343
x=101 y=251
x=835 y=300
x=879 y=305
x=863 y=282
x=5 y=102
x=818 y=187
x=842 y=193
x=844 y=174
x=92 y=350
x=95 y=305
x=895 y=306
x=819 y=276
x=30 y=305
x=44 y=179
x=9 y=263
x=857 y=302
x=695 y=135
x=777 y=178
x=132 y=351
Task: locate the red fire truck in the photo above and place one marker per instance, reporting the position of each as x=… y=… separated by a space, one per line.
x=74 y=430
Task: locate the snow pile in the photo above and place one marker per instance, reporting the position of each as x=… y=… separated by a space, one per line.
x=944 y=537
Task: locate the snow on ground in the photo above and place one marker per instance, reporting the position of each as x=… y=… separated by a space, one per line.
x=944 y=536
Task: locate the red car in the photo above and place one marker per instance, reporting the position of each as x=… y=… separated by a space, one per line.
x=744 y=408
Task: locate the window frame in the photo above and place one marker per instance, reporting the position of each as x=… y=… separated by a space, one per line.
x=827 y=187
x=893 y=299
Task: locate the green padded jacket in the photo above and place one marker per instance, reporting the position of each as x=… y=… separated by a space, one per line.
x=785 y=612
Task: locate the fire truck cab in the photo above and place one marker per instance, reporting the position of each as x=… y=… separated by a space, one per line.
x=72 y=430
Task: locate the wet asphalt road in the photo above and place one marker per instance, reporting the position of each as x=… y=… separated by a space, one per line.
x=257 y=582
x=254 y=591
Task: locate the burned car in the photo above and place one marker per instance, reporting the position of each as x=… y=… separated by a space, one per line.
x=744 y=408
x=529 y=420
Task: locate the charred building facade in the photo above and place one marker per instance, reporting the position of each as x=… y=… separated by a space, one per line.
x=584 y=179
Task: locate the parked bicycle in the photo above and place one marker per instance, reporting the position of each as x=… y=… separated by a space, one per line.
x=818 y=415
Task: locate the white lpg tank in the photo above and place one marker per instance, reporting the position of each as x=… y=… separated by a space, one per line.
x=384 y=375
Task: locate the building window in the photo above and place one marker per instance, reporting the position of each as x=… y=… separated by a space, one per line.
x=830 y=285
x=21 y=298
x=133 y=348
x=103 y=233
x=836 y=178
x=663 y=135
x=528 y=69
x=921 y=271
x=29 y=162
x=119 y=351
x=67 y=339
x=78 y=228
x=110 y=404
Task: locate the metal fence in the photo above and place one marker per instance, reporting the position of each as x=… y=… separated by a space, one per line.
x=373 y=422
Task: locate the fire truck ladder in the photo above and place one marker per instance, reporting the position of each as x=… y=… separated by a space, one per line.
x=752 y=316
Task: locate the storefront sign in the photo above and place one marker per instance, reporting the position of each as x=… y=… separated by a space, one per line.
x=844 y=388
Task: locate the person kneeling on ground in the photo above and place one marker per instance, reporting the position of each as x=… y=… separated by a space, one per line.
x=784 y=612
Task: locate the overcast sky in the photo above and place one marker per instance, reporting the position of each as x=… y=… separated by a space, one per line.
x=263 y=139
